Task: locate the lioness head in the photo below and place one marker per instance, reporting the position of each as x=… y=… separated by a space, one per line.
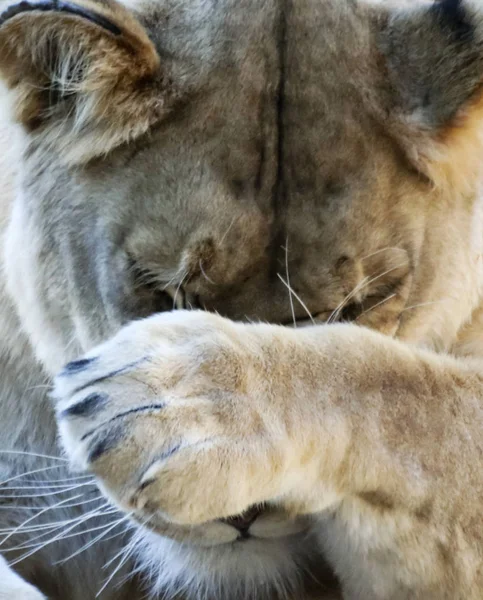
x=290 y=161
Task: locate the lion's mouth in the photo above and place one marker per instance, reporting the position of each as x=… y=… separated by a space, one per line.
x=242 y=523
x=259 y=523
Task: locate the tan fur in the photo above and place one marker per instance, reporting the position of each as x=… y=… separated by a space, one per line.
x=278 y=164
x=451 y=160
x=118 y=99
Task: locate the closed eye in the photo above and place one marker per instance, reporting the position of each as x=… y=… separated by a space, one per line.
x=160 y=296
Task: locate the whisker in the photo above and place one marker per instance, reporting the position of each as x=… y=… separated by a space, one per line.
x=175 y=304
x=20 y=475
x=88 y=501
x=62 y=536
x=84 y=502
x=35 y=528
x=62 y=479
x=424 y=304
x=122 y=562
x=334 y=315
x=180 y=273
x=96 y=512
x=47 y=494
x=92 y=542
x=132 y=542
x=364 y=283
x=376 y=305
x=23 y=453
x=223 y=237
x=393 y=248
x=125 y=555
x=116 y=556
x=204 y=274
x=44 y=485
x=114 y=535
x=37 y=515
x=297 y=297
x=70 y=344
x=287 y=284
x=57 y=537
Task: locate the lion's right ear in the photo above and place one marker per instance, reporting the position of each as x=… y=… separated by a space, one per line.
x=85 y=76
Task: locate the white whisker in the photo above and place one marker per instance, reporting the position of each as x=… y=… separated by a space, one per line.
x=62 y=536
x=297 y=297
x=51 y=525
x=57 y=537
x=393 y=248
x=21 y=453
x=205 y=275
x=57 y=486
x=44 y=495
x=364 y=283
x=92 y=542
x=32 y=507
x=82 y=503
x=175 y=298
x=132 y=542
x=20 y=475
x=34 y=482
x=37 y=515
x=334 y=315
x=114 y=535
x=97 y=512
x=376 y=305
x=287 y=284
x=35 y=528
x=223 y=237
x=180 y=274
x=125 y=555
x=424 y=304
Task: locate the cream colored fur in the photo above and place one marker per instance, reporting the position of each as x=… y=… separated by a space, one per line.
x=360 y=442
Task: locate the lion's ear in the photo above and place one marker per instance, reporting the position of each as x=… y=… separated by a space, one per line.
x=434 y=61
x=85 y=76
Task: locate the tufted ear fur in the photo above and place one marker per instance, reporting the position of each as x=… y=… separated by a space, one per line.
x=84 y=76
x=434 y=60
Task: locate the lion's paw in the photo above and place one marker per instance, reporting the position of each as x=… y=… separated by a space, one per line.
x=171 y=417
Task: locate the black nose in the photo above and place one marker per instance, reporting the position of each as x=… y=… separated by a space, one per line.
x=244 y=521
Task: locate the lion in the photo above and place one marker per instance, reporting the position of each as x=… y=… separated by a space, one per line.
x=242 y=319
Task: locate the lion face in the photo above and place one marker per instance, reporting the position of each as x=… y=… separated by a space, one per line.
x=304 y=163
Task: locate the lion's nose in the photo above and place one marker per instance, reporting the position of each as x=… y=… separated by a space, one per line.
x=244 y=521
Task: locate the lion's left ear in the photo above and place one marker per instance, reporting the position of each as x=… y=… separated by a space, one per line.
x=433 y=57
x=84 y=75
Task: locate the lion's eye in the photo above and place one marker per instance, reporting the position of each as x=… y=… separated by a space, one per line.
x=151 y=297
x=156 y=295
x=351 y=311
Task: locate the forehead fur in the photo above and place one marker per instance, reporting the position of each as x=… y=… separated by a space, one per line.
x=301 y=136
x=410 y=69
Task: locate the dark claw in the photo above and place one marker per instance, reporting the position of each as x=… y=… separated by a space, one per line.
x=90 y=405
x=77 y=365
x=100 y=446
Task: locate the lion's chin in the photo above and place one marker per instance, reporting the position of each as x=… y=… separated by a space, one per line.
x=249 y=569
